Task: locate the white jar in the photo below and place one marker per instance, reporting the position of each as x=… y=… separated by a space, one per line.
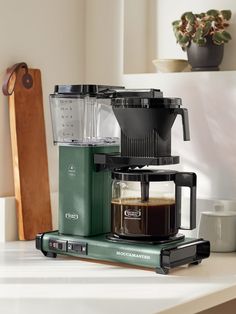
x=219 y=227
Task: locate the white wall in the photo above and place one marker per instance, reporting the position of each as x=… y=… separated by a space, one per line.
x=104 y=41
x=135 y=36
x=49 y=35
x=140 y=35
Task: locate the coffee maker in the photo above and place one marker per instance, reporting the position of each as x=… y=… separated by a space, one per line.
x=115 y=204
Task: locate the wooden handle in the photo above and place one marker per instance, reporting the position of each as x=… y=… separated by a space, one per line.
x=10 y=78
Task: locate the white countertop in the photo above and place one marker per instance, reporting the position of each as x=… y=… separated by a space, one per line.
x=32 y=283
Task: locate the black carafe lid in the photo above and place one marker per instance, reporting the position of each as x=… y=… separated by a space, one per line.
x=144 y=175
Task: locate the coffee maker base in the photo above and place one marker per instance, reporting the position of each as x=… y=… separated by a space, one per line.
x=144 y=240
x=159 y=257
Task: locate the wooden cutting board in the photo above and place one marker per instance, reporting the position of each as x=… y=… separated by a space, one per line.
x=30 y=164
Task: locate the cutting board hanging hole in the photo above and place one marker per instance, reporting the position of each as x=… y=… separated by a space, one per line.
x=11 y=77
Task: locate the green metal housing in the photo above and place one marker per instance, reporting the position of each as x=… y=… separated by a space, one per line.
x=84 y=193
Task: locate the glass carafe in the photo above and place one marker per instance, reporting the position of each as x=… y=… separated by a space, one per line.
x=147 y=204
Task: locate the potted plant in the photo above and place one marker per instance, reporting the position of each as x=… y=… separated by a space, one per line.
x=203 y=37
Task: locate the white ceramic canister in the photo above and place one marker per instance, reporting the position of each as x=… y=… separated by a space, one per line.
x=219 y=227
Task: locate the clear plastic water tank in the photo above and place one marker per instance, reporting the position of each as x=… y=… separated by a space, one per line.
x=80 y=117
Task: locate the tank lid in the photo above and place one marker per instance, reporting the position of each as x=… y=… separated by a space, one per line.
x=84 y=89
x=144 y=175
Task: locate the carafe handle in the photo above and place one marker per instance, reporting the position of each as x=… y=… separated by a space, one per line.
x=184 y=114
x=188 y=179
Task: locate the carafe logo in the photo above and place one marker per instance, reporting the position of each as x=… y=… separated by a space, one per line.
x=71 y=170
x=70 y=216
x=133 y=214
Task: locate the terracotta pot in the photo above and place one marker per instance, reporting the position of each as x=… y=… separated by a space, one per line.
x=205 y=58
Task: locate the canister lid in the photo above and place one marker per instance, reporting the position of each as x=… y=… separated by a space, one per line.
x=144 y=175
x=84 y=89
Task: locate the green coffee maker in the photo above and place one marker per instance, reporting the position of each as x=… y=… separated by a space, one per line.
x=82 y=127
x=115 y=204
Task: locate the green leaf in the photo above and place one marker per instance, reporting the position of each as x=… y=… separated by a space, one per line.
x=201 y=15
x=226 y=35
x=184 y=39
x=221 y=37
x=176 y=23
x=198 y=34
x=201 y=41
x=176 y=31
x=226 y=14
x=183 y=16
x=217 y=38
x=179 y=36
x=207 y=28
x=190 y=17
x=218 y=42
x=213 y=13
x=189 y=28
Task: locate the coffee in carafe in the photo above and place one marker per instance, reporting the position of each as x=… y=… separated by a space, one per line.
x=155 y=218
